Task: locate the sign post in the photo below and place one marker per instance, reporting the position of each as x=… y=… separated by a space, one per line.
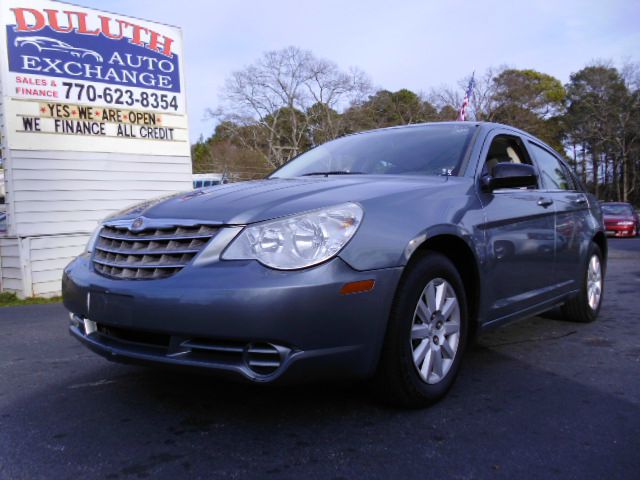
x=93 y=119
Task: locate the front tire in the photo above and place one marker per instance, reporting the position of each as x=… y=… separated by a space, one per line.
x=585 y=306
x=426 y=335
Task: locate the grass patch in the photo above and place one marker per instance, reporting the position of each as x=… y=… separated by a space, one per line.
x=9 y=299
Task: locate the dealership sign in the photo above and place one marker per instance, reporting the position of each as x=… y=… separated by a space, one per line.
x=69 y=73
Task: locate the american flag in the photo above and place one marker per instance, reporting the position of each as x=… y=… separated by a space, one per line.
x=465 y=103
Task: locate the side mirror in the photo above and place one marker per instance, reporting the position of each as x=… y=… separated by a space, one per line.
x=510 y=175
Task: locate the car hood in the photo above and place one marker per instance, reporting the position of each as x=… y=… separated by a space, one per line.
x=254 y=201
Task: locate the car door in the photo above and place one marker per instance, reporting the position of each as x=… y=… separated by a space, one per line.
x=519 y=231
x=573 y=229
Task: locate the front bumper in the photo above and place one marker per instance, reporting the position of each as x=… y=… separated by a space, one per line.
x=236 y=318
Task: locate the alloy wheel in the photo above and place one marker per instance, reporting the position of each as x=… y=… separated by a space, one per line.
x=435 y=331
x=594 y=282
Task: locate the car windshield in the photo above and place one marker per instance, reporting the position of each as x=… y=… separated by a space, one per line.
x=420 y=150
x=617 y=209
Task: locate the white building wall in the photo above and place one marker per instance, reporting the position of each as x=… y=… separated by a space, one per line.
x=47 y=257
x=32 y=266
x=10 y=272
x=67 y=192
x=57 y=200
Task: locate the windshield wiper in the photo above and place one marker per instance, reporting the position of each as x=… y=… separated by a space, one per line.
x=332 y=172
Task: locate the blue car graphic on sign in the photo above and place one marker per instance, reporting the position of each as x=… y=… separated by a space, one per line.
x=46 y=43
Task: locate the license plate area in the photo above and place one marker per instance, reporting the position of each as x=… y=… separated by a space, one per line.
x=110 y=308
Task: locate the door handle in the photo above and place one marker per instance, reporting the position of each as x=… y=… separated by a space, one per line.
x=580 y=201
x=545 y=202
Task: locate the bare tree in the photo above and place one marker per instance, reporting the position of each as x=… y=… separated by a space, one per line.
x=628 y=139
x=268 y=105
x=482 y=102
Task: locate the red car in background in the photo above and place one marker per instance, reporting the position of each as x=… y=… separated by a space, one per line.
x=620 y=219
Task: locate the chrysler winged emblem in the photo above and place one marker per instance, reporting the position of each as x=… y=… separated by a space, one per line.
x=138 y=224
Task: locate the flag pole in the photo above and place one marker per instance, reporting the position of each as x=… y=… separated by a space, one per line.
x=465 y=103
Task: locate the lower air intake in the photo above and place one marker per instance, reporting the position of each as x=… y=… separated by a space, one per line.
x=263 y=358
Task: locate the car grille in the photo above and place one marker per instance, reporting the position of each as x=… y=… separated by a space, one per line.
x=148 y=254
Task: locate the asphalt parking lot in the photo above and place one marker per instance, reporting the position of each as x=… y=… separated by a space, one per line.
x=538 y=399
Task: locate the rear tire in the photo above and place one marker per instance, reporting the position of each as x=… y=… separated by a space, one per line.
x=585 y=306
x=426 y=334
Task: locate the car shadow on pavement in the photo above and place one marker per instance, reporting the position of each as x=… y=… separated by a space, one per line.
x=503 y=417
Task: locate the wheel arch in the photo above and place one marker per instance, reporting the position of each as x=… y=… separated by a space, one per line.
x=600 y=239
x=463 y=257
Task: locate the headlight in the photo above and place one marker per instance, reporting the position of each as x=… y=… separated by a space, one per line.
x=297 y=241
x=93 y=239
x=625 y=224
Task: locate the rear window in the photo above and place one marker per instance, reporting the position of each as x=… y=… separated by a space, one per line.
x=617 y=209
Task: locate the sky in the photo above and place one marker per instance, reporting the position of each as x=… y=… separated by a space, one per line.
x=410 y=44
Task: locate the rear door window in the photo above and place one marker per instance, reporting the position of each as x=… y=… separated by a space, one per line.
x=553 y=172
